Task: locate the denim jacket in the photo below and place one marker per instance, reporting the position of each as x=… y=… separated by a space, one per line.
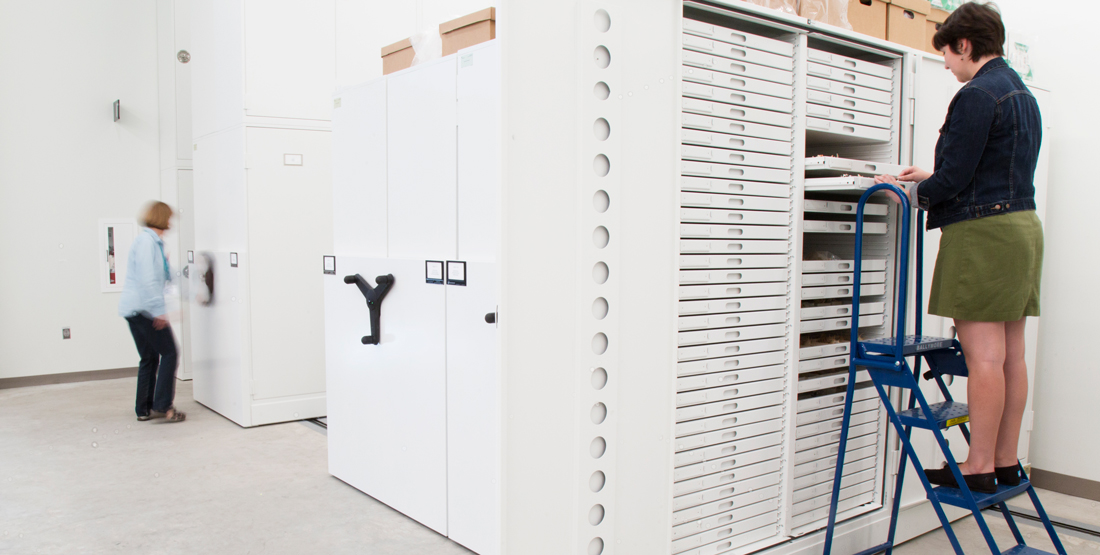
x=987 y=150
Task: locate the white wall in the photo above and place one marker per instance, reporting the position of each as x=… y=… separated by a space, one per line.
x=1067 y=373
x=64 y=164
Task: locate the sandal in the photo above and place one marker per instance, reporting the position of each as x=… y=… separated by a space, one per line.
x=152 y=414
x=176 y=416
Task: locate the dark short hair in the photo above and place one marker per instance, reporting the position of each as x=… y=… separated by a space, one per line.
x=980 y=23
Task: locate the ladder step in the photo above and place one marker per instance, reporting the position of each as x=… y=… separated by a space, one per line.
x=945 y=415
x=912 y=345
x=1025 y=550
x=946 y=362
x=955 y=497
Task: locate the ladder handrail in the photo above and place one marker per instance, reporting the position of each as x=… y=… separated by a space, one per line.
x=902 y=269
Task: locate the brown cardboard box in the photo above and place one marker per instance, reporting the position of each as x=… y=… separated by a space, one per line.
x=936 y=17
x=468 y=30
x=906 y=21
x=397 y=56
x=868 y=17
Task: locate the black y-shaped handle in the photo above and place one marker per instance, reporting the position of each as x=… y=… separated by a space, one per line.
x=374 y=296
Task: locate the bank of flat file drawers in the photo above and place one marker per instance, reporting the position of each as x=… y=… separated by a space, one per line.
x=849 y=99
x=734 y=284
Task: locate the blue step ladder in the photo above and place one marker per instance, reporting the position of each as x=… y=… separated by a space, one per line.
x=885 y=361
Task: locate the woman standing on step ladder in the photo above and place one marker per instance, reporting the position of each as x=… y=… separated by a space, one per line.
x=989 y=265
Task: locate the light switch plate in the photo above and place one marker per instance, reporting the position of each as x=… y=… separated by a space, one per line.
x=190 y=257
x=329 y=264
x=292 y=159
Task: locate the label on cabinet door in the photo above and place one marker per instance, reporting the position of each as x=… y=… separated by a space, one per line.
x=329 y=264
x=433 y=271
x=456 y=272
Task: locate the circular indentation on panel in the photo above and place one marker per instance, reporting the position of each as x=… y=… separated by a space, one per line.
x=595 y=514
x=596 y=482
x=600 y=237
x=599 y=343
x=602 y=129
x=600 y=273
x=599 y=308
x=600 y=201
x=602 y=20
x=601 y=165
x=599 y=378
x=601 y=90
x=599 y=413
x=597 y=448
x=595 y=547
x=602 y=56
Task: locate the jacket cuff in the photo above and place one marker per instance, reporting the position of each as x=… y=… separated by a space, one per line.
x=922 y=201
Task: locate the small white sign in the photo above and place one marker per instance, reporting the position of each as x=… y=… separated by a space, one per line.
x=433 y=271
x=330 y=264
x=232 y=260
x=292 y=159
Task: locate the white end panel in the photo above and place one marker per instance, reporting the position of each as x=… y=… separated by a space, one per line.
x=387 y=412
x=422 y=205
x=290 y=230
x=473 y=412
x=217 y=65
x=290 y=58
x=219 y=352
x=220 y=196
x=359 y=171
x=479 y=152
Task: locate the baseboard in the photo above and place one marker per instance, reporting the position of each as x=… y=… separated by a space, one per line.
x=1069 y=485
x=68 y=377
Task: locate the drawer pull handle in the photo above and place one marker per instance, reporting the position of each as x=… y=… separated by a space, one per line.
x=850 y=76
x=849 y=129
x=850 y=103
x=733 y=335
x=736 y=173
x=843 y=266
x=732 y=378
x=840 y=381
x=850 y=63
x=735 y=217
x=841 y=361
x=737 y=82
x=736 y=157
x=737 y=67
x=735 y=202
x=844 y=279
x=737 y=127
x=849 y=116
x=733 y=276
x=731 y=392
x=850 y=90
x=844 y=291
x=733 y=349
x=842 y=323
x=737 y=97
x=733 y=306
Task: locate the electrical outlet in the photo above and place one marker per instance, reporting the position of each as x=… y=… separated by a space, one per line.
x=65 y=333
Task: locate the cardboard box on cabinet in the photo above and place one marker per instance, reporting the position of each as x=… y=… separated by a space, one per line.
x=935 y=19
x=397 y=56
x=864 y=16
x=468 y=30
x=906 y=21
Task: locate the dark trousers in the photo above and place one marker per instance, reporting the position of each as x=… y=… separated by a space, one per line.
x=155 y=388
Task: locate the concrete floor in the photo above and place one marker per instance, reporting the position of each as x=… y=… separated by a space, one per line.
x=78 y=474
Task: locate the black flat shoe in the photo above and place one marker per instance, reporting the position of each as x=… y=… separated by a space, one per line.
x=982 y=483
x=1008 y=475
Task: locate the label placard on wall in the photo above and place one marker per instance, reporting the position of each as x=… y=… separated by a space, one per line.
x=329 y=264
x=456 y=272
x=232 y=260
x=433 y=271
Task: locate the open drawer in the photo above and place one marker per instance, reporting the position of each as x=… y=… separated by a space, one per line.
x=848 y=183
x=868 y=265
x=821 y=226
x=840 y=207
x=832 y=166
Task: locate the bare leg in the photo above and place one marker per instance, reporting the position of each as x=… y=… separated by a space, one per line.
x=1008 y=438
x=984 y=346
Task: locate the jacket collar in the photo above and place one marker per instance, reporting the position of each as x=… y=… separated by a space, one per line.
x=995 y=63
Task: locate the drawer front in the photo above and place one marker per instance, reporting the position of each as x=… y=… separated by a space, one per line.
x=688 y=323
x=818 y=516
x=837 y=311
x=739 y=98
x=850 y=130
x=848 y=103
x=739 y=113
x=816 y=490
x=849 y=77
x=838 y=379
x=827 y=324
x=823 y=500
x=868 y=265
x=735 y=82
x=690 y=292
x=696 y=456
x=737 y=53
x=842 y=279
x=742 y=539
x=727 y=463
x=852 y=116
x=842 y=291
x=826 y=401
x=704 y=169
x=690 y=500
x=738 y=38
x=722 y=140
x=818 y=226
x=848 y=89
x=729 y=434
x=732 y=202
x=738 y=67
x=739 y=157
x=852 y=64
x=696 y=277
x=826 y=477
x=708 y=231
x=725 y=526
x=689 y=308
x=724 y=422
x=835 y=412
x=730 y=406
x=726 y=379
x=723 y=505
x=832 y=165
x=838 y=207
x=740 y=128
x=727 y=364
x=752 y=217
x=817 y=364
x=694 y=261
x=820 y=351
x=730 y=349
x=822 y=440
x=744 y=333
x=858 y=419
x=748 y=472
x=808 y=466
x=700 y=246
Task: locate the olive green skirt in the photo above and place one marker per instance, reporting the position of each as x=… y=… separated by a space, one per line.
x=989 y=269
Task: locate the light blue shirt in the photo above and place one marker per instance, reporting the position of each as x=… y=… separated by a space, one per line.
x=146 y=273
